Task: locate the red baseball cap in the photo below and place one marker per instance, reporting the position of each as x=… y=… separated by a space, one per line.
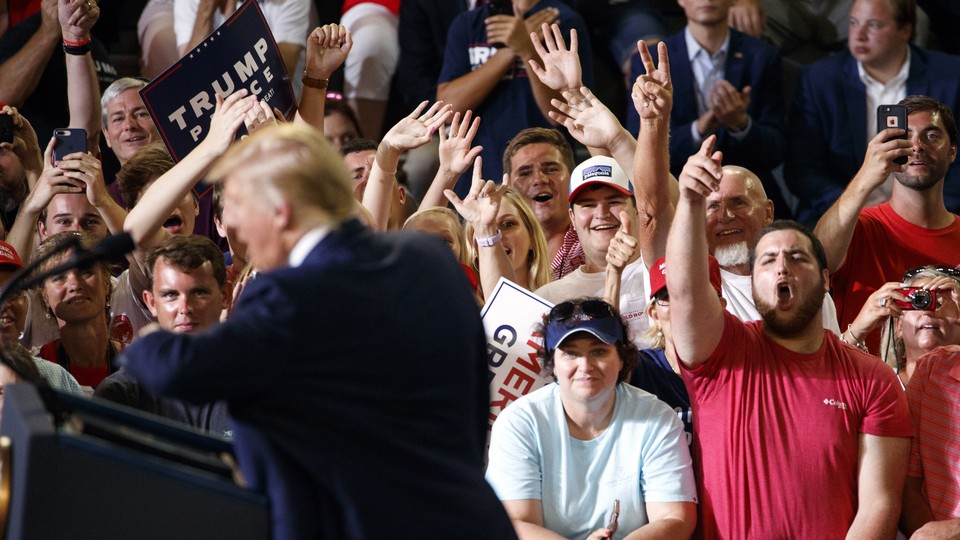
x=9 y=260
x=658 y=275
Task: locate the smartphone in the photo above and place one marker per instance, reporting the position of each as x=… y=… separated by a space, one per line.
x=68 y=141
x=6 y=128
x=893 y=116
x=501 y=7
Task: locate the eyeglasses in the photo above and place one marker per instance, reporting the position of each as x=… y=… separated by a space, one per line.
x=945 y=269
x=662 y=300
x=589 y=309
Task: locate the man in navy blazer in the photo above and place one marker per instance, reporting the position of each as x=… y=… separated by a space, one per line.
x=745 y=109
x=829 y=116
x=353 y=368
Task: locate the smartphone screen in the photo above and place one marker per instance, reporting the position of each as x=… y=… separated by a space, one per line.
x=6 y=128
x=893 y=116
x=68 y=141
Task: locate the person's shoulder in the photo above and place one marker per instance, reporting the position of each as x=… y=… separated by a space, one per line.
x=755 y=46
x=830 y=67
x=561 y=289
x=533 y=405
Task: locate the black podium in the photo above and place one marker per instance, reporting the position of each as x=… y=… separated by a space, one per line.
x=107 y=472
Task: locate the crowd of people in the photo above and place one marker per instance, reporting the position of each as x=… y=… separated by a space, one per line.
x=755 y=329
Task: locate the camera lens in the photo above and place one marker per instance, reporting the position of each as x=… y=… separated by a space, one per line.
x=920 y=299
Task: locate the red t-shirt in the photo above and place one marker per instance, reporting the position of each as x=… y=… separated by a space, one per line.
x=934 y=397
x=19 y=10
x=776 y=437
x=883 y=247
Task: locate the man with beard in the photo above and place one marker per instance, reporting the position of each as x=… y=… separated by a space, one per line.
x=736 y=212
x=867 y=247
x=797 y=435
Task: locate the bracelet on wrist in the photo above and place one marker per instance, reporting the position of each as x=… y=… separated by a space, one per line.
x=313 y=82
x=858 y=343
x=77 y=48
x=490 y=241
x=81 y=43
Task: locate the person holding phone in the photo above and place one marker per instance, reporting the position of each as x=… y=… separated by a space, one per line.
x=869 y=246
x=561 y=455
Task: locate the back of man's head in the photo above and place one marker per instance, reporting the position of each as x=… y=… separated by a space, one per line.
x=147 y=165
x=926 y=103
x=529 y=136
x=293 y=164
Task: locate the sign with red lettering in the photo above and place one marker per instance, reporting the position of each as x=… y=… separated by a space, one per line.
x=509 y=318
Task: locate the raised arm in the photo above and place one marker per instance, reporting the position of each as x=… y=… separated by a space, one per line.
x=77 y=18
x=86 y=168
x=622 y=249
x=881 y=473
x=696 y=315
x=656 y=190
x=591 y=123
x=480 y=209
x=20 y=74
x=327 y=49
x=51 y=182
x=748 y=16
x=145 y=219
x=835 y=228
x=25 y=146
x=413 y=131
x=456 y=155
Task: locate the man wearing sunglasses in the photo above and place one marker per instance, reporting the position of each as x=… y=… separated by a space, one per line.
x=798 y=435
x=867 y=247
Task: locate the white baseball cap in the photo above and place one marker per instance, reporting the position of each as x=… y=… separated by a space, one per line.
x=599 y=170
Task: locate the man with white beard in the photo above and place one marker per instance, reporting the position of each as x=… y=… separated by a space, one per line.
x=735 y=214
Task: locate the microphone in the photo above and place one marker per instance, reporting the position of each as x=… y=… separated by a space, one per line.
x=109 y=248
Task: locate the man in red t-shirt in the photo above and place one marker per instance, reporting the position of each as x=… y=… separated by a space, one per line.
x=797 y=435
x=867 y=247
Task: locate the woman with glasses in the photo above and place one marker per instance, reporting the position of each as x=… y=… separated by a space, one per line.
x=658 y=368
x=567 y=457
x=918 y=315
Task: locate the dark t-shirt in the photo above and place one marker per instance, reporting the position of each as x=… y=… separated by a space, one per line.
x=654 y=374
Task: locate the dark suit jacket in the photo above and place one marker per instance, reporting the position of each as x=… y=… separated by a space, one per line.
x=357 y=387
x=828 y=121
x=750 y=62
x=423 y=38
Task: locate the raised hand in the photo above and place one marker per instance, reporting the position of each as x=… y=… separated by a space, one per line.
x=878 y=161
x=84 y=167
x=702 y=172
x=260 y=116
x=227 y=117
x=586 y=118
x=748 y=17
x=456 y=154
x=482 y=203
x=623 y=246
x=416 y=129
x=561 y=66
x=51 y=182
x=653 y=91
x=729 y=106
x=25 y=144
x=875 y=310
x=77 y=18
x=327 y=49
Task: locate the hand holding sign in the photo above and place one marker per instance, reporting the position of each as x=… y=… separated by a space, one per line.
x=327 y=49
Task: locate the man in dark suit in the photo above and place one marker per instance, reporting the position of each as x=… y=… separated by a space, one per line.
x=353 y=367
x=832 y=117
x=728 y=83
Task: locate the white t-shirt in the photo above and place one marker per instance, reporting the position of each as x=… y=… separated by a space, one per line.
x=289 y=22
x=641 y=456
x=634 y=287
x=738 y=291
